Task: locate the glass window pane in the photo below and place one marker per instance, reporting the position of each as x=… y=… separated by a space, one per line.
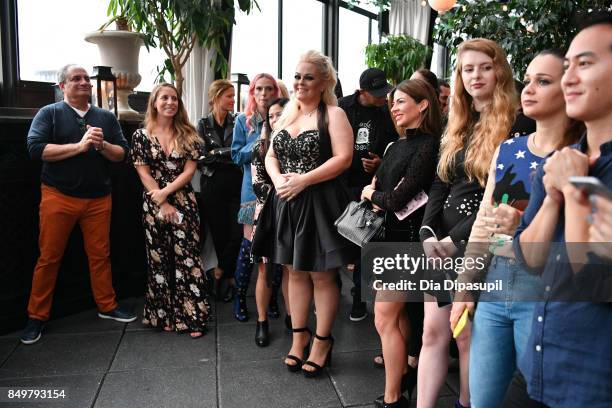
x=255 y=40
x=368 y=7
x=41 y=55
x=148 y=63
x=353 y=39
x=302 y=31
x=375 y=36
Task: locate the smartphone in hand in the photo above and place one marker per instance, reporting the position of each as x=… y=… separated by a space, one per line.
x=591 y=185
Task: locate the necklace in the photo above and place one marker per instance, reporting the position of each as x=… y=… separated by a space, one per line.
x=533 y=142
x=537 y=148
x=309 y=114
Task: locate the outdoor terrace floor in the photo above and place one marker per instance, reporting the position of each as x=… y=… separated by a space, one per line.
x=104 y=364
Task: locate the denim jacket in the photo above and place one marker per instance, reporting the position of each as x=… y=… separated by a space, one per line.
x=242 y=149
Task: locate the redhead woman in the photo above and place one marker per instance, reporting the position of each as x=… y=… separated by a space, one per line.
x=483 y=109
x=502 y=322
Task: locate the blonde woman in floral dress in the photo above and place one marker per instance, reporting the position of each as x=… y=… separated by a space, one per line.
x=164 y=153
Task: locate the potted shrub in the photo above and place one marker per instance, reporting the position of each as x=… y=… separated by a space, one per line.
x=176 y=26
x=398 y=56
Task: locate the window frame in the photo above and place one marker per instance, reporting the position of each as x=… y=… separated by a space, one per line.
x=330 y=35
x=15 y=92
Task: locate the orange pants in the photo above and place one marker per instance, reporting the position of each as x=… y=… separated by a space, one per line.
x=58 y=215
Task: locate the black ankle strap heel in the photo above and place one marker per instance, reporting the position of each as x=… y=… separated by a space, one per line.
x=328 y=358
x=299 y=361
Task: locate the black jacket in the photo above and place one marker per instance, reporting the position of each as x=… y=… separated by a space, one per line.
x=382 y=133
x=216 y=146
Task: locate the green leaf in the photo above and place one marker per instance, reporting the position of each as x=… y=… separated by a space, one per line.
x=184 y=19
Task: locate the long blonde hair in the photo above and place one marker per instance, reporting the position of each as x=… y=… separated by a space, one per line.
x=495 y=120
x=328 y=75
x=186 y=134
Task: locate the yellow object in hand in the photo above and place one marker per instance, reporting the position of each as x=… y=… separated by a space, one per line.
x=461 y=323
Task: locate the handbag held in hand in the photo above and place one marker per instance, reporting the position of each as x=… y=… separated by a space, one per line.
x=359 y=223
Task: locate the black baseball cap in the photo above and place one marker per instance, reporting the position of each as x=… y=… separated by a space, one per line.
x=375 y=82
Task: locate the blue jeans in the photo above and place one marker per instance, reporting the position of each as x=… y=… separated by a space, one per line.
x=500 y=331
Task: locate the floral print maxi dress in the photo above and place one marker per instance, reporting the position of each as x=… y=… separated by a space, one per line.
x=176 y=286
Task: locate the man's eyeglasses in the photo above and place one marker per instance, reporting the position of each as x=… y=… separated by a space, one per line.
x=78 y=78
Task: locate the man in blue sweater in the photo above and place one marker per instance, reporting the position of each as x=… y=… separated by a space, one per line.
x=76 y=142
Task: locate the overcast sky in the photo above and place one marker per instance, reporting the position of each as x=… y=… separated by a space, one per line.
x=46 y=46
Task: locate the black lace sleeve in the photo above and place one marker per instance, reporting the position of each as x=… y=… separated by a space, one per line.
x=418 y=176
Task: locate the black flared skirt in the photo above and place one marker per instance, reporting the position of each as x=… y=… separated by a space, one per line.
x=301 y=232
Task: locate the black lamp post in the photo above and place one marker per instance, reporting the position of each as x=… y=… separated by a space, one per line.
x=104 y=90
x=240 y=80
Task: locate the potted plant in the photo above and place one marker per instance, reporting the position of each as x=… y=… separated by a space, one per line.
x=521 y=27
x=176 y=26
x=398 y=56
x=120 y=50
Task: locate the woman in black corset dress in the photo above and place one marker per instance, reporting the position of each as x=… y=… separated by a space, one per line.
x=483 y=109
x=269 y=275
x=408 y=168
x=312 y=147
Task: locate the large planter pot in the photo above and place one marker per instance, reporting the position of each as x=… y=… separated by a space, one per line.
x=120 y=51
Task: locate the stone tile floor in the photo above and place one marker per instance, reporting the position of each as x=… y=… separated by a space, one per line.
x=104 y=364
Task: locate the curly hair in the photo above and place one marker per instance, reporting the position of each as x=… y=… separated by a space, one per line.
x=481 y=135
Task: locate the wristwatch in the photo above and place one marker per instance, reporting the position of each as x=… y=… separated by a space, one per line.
x=103 y=145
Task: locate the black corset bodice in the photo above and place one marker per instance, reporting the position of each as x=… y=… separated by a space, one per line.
x=297 y=155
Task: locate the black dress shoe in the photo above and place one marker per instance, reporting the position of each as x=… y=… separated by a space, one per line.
x=216 y=289
x=409 y=380
x=402 y=402
x=262 y=334
x=229 y=293
x=288 y=325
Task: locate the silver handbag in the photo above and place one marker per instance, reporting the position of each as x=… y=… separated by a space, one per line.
x=359 y=223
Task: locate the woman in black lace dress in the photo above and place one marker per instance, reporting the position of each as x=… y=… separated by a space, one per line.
x=264 y=290
x=407 y=170
x=296 y=227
